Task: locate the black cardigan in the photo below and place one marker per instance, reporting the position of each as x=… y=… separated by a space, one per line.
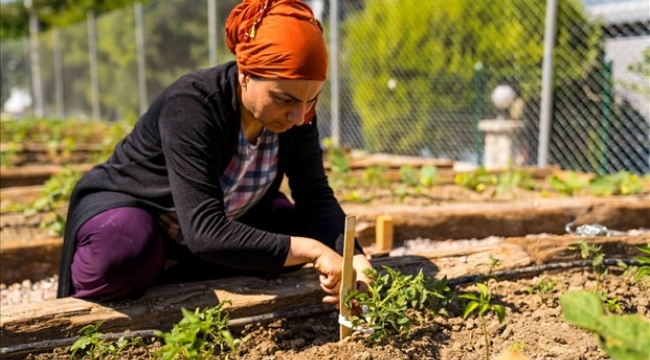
x=172 y=161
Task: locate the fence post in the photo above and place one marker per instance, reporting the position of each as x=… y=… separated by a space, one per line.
x=34 y=60
x=139 y=46
x=478 y=110
x=212 y=31
x=547 y=84
x=92 y=54
x=605 y=112
x=58 y=73
x=334 y=71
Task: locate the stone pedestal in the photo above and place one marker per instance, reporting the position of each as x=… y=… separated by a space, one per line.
x=500 y=145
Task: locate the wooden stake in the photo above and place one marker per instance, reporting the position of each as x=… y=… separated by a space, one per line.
x=384 y=234
x=347 y=276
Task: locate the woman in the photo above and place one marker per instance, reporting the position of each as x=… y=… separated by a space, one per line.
x=192 y=192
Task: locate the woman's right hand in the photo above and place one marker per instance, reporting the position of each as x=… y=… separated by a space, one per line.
x=326 y=261
x=329 y=265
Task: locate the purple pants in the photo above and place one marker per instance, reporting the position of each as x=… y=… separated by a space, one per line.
x=121 y=252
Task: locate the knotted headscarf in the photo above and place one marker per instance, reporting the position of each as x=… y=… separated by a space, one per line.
x=277 y=39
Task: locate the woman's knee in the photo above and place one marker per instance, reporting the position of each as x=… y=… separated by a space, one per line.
x=118 y=251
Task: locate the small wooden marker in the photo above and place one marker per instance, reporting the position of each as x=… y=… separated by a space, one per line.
x=384 y=234
x=348 y=272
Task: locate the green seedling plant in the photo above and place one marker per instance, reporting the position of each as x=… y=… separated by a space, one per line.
x=621 y=183
x=91 y=344
x=375 y=176
x=482 y=303
x=416 y=180
x=428 y=176
x=543 y=287
x=640 y=275
x=390 y=297
x=643 y=271
x=623 y=337
x=518 y=347
x=477 y=180
x=570 y=186
x=339 y=165
x=56 y=191
x=199 y=334
x=600 y=269
x=593 y=252
x=511 y=179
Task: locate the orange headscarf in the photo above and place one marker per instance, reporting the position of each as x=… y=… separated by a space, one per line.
x=277 y=39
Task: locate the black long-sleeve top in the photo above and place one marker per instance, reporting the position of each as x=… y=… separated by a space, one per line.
x=172 y=161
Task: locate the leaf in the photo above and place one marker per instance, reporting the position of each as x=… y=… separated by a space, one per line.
x=624 y=337
x=471 y=306
x=501 y=312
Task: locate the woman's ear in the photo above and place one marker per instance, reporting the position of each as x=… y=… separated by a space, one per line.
x=243 y=80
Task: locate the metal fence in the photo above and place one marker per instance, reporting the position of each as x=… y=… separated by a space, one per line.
x=408 y=77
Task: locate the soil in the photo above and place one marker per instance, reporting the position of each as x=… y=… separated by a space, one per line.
x=533 y=324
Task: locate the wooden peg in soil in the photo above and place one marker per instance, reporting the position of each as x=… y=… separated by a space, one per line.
x=384 y=234
x=348 y=272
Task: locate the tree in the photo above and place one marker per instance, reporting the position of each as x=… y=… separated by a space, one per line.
x=52 y=13
x=413 y=63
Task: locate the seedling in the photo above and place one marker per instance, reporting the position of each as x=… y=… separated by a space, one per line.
x=640 y=274
x=56 y=191
x=428 y=175
x=492 y=264
x=482 y=304
x=391 y=295
x=375 y=176
x=543 y=287
x=594 y=252
x=477 y=180
x=570 y=186
x=199 y=334
x=513 y=179
x=94 y=347
x=601 y=270
x=623 y=337
x=339 y=164
x=621 y=183
x=517 y=347
x=643 y=272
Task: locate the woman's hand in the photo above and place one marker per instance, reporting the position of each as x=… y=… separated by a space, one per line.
x=327 y=263
x=330 y=267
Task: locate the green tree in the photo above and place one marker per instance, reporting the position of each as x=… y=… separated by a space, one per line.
x=413 y=61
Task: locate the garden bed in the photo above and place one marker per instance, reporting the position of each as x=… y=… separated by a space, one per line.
x=533 y=320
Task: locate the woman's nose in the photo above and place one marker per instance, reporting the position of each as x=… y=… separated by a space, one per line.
x=297 y=114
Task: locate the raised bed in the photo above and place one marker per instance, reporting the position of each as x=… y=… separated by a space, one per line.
x=256 y=300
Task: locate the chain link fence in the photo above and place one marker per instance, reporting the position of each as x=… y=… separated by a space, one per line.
x=413 y=77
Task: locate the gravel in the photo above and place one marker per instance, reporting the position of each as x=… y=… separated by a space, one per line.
x=27 y=291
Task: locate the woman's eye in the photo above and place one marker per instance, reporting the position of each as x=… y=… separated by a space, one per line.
x=284 y=101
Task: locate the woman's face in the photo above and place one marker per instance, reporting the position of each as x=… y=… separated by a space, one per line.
x=278 y=104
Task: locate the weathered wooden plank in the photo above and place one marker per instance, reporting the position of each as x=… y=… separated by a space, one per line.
x=33 y=174
x=560 y=249
x=512 y=218
x=29 y=260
